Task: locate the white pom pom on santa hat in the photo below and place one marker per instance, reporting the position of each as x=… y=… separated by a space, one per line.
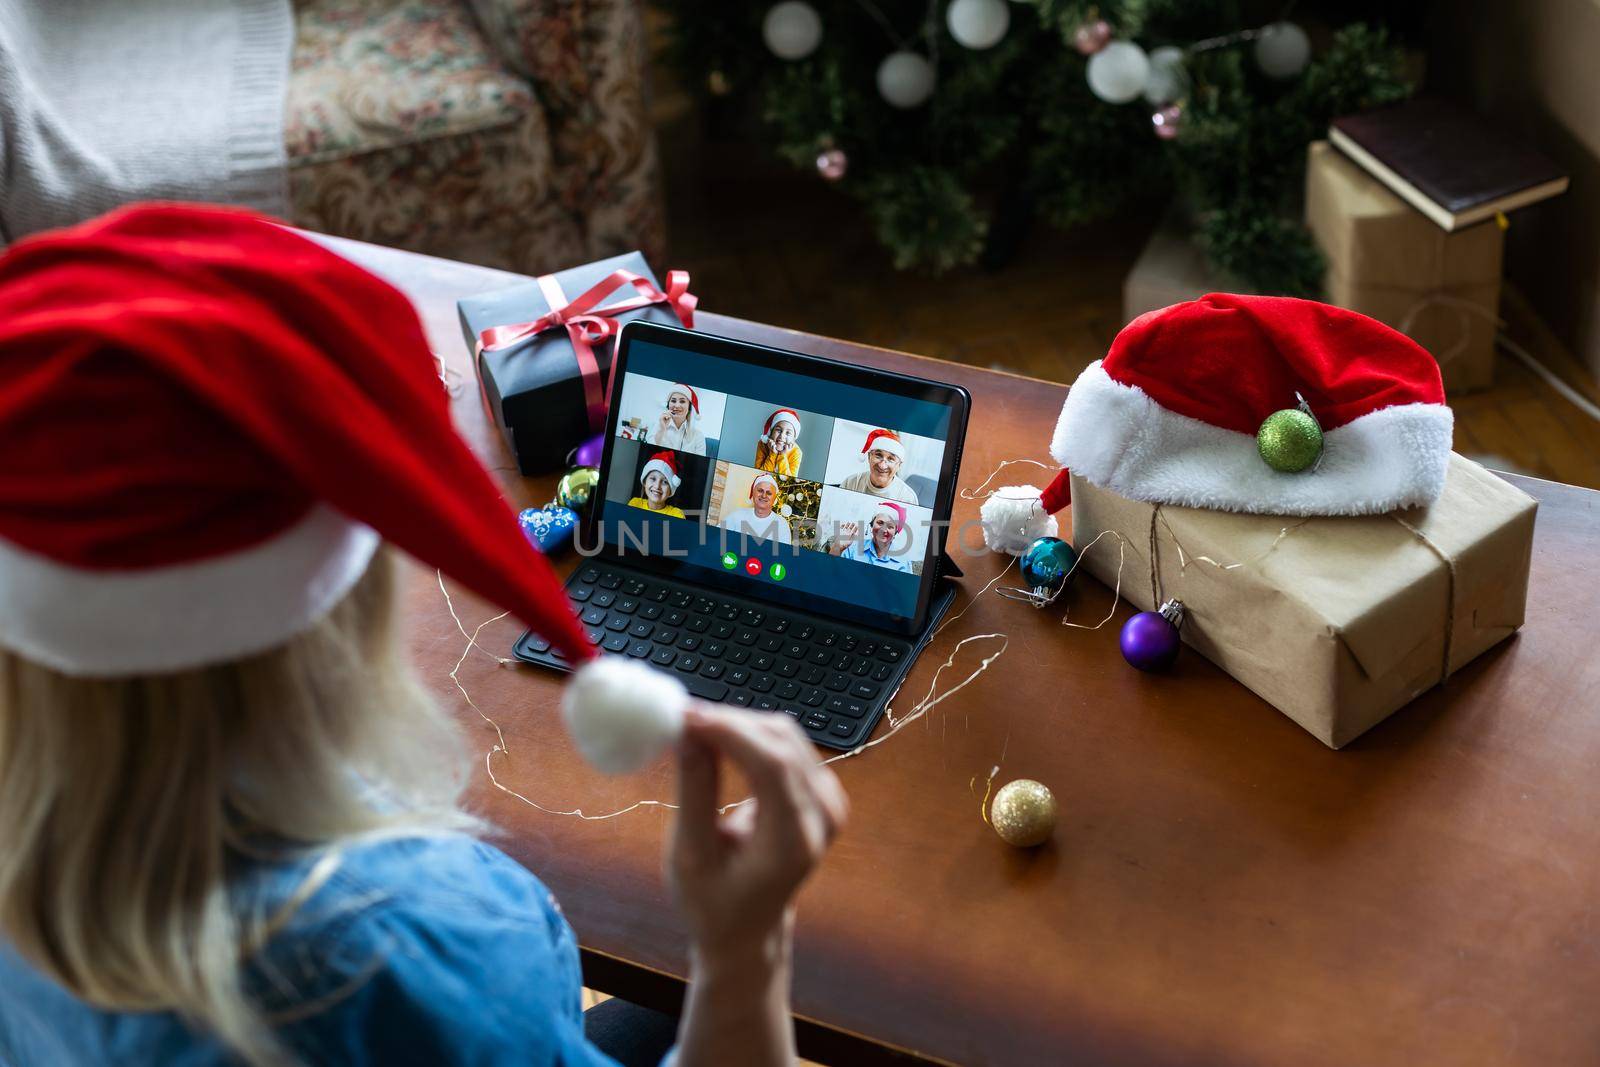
x=621 y=714
x=1013 y=519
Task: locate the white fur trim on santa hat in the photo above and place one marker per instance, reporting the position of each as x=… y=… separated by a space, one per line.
x=106 y=623
x=879 y=440
x=663 y=468
x=1012 y=519
x=1119 y=438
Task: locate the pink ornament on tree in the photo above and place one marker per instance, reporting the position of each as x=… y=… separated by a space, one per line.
x=1092 y=36
x=1166 y=121
x=832 y=164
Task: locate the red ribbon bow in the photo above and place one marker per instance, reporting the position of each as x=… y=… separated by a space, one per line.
x=588 y=323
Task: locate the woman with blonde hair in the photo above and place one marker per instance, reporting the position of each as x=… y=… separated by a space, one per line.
x=231 y=815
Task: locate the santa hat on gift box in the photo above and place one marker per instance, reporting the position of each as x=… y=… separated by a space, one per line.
x=664 y=464
x=1171 y=415
x=884 y=441
x=209 y=423
x=769 y=479
x=781 y=415
x=690 y=394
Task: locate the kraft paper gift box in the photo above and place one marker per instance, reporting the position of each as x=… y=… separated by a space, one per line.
x=535 y=390
x=1335 y=621
x=1388 y=260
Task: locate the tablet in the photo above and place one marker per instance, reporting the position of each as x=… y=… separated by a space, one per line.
x=795 y=479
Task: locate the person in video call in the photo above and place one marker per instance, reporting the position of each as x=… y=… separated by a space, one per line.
x=883 y=526
x=885 y=455
x=778 y=450
x=675 y=428
x=659 y=480
x=759 y=519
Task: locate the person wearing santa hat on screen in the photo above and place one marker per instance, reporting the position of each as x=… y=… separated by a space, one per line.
x=885 y=454
x=232 y=815
x=778 y=449
x=761 y=518
x=883 y=526
x=675 y=428
x=659 y=480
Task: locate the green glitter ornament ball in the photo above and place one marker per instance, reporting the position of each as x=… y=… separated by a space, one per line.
x=1289 y=440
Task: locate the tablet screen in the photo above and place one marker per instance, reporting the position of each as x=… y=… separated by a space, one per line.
x=778 y=481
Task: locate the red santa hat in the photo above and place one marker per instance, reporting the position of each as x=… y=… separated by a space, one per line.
x=208 y=424
x=664 y=464
x=898 y=512
x=769 y=479
x=694 y=398
x=1171 y=415
x=782 y=415
x=884 y=441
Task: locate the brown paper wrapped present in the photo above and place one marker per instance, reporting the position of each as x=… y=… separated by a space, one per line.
x=1388 y=260
x=1335 y=621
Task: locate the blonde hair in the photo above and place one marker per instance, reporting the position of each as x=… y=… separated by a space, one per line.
x=123 y=803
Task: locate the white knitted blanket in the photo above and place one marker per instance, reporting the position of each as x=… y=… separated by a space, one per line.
x=104 y=102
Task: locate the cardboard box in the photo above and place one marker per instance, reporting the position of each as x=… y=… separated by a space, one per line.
x=1388 y=260
x=1335 y=621
x=1172 y=270
x=534 y=390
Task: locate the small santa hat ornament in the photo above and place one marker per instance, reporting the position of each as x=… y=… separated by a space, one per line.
x=694 y=398
x=666 y=465
x=781 y=415
x=209 y=424
x=1258 y=404
x=1013 y=518
x=884 y=441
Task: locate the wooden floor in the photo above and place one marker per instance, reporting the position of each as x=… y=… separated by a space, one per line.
x=766 y=242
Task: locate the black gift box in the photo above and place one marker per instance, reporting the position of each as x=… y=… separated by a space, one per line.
x=534 y=389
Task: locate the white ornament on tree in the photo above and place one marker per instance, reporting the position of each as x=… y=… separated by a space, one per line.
x=978 y=24
x=1167 y=78
x=792 y=29
x=905 y=79
x=1282 y=50
x=1118 y=71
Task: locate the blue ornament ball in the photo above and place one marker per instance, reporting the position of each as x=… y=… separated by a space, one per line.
x=1046 y=564
x=550 y=528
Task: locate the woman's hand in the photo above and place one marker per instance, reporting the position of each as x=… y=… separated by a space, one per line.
x=844 y=537
x=664 y=423
x=735 y=875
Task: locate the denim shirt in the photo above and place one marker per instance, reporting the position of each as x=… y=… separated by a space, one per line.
x=437 y=950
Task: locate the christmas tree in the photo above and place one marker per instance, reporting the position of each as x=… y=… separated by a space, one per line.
x=951 y=118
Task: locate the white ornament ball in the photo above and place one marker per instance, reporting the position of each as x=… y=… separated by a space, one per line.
x=978 y=24
x=1282 y=50
x=792 y=29
x=622 y=714
x=1013 y=519
x=1167 y=78
x=1118 y=71
x=905 y=79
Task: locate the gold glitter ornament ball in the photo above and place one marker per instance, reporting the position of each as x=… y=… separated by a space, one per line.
x=1023 y=813
x=576 y=487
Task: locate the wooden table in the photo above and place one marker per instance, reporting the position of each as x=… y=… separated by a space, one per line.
x=1221 y=889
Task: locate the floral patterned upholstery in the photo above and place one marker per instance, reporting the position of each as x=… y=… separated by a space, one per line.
x=406 y=127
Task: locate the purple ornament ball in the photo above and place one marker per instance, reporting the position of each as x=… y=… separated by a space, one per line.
x=832 y=164
x=1150 y=641
x=588 y=453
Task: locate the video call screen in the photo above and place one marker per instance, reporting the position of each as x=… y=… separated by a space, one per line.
x=819 y=487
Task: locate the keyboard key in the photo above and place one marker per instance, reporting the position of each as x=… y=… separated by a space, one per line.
x=633 y=587
x=738 y=676
x=813 y=698
x=728 y=612
x=675 y=617
x=680 y=599
x=837 y=704
x=739 y=697
x=865 y=690
x=615 y=643
x=845 y=706
x=688 y=642
x=706 y=688
x=595 y=634
x=816 y=720
x=770 y=643
x=660 y=594
x=764 y=704
x=665 y=635
x=843 y=661
x=763 y=683
x=664 y=656
x=827 y=638
x=867 y=648
x=890 y=653
x=793 y=713
x=603 y=599
x=837 y=682
x=589 y=576
x=641 y=629
x=803 y=632
x=580 y=594
x=593 y=616
x=881 y=672
x=841 y=728
x=627 y=605
x=537 y=644
x=738 y=655
x=618 y=623
x=786 y=668
x=794 y=650
x=746 y=636
x=640 y=649
x=712 y=670
x=688 y=663
x=848 y=642
x=650 y=612
x=699 y=624
x=609 y=581
x=779 y=625
x=704 y=606
x=822 y=657
x=722 y=631
x=714 y=650
x=751 y=617
x=814 y=676
x=787 y=690
x=862 y=668
x=761 y=661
